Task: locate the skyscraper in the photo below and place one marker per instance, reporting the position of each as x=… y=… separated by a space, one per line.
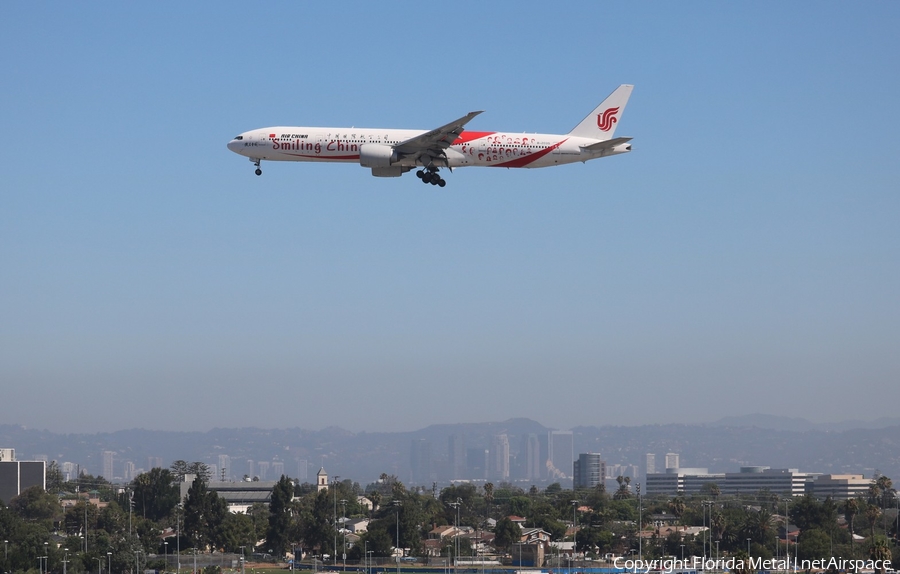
x=499 y=458
x=420 y=461
x=302 y=470
x=650 y=466
x=456 y=455
x=672 y=460
x=108 y=459
x=588 y=471
x=262 y=469
x=534 y=464
x=562 y=453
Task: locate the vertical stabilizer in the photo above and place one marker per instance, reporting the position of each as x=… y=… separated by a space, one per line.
x=601 y=123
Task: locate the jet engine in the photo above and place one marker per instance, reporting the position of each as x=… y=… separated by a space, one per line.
x=376 y=155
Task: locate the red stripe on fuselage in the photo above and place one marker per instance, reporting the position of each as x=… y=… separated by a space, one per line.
x=466 y=137
x=528 y=159
x=334 y=157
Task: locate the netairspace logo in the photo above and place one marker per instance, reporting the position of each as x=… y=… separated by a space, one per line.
x=669 y=565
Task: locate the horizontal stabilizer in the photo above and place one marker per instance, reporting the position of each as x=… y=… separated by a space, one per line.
x=606 y=144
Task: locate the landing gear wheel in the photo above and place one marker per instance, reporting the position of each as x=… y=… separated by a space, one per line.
x=256 y=163
x=441 y=182
x=258 y=171
x=427 y=177
x=420 y=174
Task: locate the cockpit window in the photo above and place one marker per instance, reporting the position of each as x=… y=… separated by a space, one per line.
x=239 y=137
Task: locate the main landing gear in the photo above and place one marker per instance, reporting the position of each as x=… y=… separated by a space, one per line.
x=256 y=163
x=431 y=176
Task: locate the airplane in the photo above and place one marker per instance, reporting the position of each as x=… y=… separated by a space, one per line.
x=393 y=152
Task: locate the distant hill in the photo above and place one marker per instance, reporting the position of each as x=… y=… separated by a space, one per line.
x=800 y=425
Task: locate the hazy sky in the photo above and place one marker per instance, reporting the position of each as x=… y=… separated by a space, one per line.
x=745 y=257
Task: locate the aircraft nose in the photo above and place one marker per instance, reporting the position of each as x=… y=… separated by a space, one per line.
x=236 y=144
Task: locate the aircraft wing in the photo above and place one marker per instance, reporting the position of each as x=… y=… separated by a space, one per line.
x=606 y=144
x=434 y=142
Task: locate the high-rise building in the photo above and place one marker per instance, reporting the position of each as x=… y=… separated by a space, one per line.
x=154 y=462
x=561 y=453
x=277 y=469
x=262 y=469
x=129 y=472
x=108 y=459
x=477 y=462
x=420 y=461
x=498 y=458
x=672 y=460
x=456 y=455
x=302 y=470
x=251 y=468
x=588 y=471
x=650 y=465
x=534 y=464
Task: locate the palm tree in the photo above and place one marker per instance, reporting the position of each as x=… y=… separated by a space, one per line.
x=676 y=505
x=851 y=509
x=872 y=513
x=881 y=552
x=886 y=488
x=375 y=497
x=719 y=523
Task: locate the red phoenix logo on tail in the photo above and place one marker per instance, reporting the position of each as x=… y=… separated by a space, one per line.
x=606 y=120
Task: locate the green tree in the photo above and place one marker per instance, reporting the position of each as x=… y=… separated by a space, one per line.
x=237 y=529
x=182 y=468
x=155 y=493
x=36 y=505
x=813 y=544
x=204 y=512
x=506 y=533
x=280 y=531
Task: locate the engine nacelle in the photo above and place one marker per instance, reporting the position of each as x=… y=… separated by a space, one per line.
x=376 y=155
x=393 y=171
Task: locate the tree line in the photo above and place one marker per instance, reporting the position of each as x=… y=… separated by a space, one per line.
x=135 y=524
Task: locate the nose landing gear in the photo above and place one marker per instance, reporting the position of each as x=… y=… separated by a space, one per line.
x=430 y=175
x=256 y=163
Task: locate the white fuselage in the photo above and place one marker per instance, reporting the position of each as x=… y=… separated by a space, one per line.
x=471 y=148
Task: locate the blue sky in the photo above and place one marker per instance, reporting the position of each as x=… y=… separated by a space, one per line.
x=743 y=258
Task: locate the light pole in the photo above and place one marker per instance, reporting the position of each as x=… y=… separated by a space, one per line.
x=109 y=562
x=178 y=540
x=682 y=555
x=717 y=553
x=574 y=531
x=456 y=533
x=166 y=548
x=748 y=548
x=344 y=533
x=640 y=524
x=65 y=560
x=334 y=558
x=99 y=565
x=242 y=560
x=397 y=504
